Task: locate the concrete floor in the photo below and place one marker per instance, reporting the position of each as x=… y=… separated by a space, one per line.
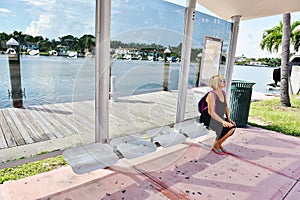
x=262 y=165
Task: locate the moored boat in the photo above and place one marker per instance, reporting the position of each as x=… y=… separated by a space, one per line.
x=33 y=52
x=53 y=53
x=72 y=54
x=11 y=51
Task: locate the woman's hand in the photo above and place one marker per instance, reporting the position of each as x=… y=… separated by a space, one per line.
x=229 y=121
x=232 y=122
x=227 y=124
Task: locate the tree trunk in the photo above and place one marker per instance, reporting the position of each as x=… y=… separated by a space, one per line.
x=285 y=56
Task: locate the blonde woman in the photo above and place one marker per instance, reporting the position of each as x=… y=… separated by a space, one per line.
x=217 y=116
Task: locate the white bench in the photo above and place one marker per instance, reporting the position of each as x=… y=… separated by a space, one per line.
x=165 y=136
x=84 y=159
x=132 y=146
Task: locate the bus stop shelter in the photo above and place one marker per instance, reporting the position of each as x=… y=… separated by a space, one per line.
x=235 y=10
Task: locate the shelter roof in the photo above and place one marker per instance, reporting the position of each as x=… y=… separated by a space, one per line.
x=250 y=9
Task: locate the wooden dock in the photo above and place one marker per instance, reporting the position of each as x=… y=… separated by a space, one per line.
x=62 y=125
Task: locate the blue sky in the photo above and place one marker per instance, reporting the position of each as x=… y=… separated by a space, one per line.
x=56 y=18
x=49 y=18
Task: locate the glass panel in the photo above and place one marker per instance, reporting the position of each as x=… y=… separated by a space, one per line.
x=58 y=75
x=5 y=83
x=211 y=58
x=218 y=32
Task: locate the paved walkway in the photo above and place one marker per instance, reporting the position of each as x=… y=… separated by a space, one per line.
x=263 y=165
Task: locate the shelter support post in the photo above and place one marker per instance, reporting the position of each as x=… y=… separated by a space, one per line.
x=103 y=10
x=231 y=52
x=185 y=59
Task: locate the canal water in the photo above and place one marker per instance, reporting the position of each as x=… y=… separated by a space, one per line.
x=49 y=80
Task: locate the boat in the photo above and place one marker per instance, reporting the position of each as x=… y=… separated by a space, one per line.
x=53 y=53
x=295 y=74
x=115 y=56
x=72 y=54
x=127 y=57
x=161 y=59
x=169 y=59
x=33 y=52
x=11 y=51
x=272 y=86
x=294 y=63
x=88 y=55
x=150 y=58
x=136 y=57
x=173 y=59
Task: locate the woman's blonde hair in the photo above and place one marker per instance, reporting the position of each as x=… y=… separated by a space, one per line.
x=214 y=81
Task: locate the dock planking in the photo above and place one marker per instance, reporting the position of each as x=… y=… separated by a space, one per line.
x=8 y=138
x=3 y=143
x=23 y=130
x=14 y=131
x=129 y=115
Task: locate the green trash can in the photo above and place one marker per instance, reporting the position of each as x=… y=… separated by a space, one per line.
x=240 y=99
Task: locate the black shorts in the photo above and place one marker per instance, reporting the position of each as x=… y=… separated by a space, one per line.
x=215 y=125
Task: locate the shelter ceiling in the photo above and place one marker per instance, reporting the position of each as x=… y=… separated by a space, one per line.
x=250 y=9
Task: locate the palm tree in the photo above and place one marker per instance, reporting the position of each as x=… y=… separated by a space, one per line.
x=297 y=41
x=272 y=38
x=86 y=43
x=70 y=42
x=285 y=56
x=3 y=39
x=284 y=34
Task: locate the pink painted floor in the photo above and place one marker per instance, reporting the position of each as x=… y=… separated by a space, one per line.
x=262 y=165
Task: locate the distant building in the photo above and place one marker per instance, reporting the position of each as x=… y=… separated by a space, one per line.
x=240 y=59
x=31 y=46
x=121 y=51
x=256 y=63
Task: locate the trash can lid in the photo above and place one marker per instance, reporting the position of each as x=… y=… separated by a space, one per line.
x=242 y=84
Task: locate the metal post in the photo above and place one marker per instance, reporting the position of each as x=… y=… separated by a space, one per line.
x=197 y=84
x=15 y=74
x=231 y=52
x=103 y=10
x=185 y=59
x=166 y=76
x=113 y=88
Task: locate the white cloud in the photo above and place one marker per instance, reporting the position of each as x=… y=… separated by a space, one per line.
x=39 y=27
x=4 y=10
x=53 y=19
x=250 y=36
x=39 y=2
x=248 y=45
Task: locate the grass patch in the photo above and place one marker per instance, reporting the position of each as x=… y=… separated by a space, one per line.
x=268 y=114
x=30 y=169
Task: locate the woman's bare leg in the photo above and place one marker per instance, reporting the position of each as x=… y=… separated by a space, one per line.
x=220 y=141
x=217 y=145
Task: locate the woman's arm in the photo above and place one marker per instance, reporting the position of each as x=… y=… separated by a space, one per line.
x=227 y=113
